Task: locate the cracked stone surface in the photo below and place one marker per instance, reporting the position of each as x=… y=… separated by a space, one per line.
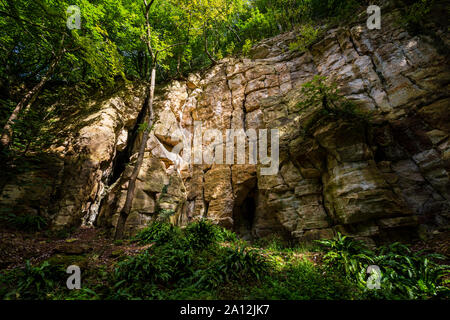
x=372 y=183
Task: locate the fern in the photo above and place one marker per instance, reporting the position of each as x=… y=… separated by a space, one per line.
x=404 y=274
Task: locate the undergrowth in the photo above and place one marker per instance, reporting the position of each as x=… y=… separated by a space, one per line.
x=25 y=222
x=205 y=261
x=402 y=274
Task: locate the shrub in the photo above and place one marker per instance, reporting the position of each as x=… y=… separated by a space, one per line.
x=7 y=278
x=308 y=36
x=139 y=273
x=234 y=264
x=404 y=274
x=158 y=232
x=160 y=265
x=288 y=13
x=412 y=275
x=34 y=282
x=224 y=234
x=332 y=8
x=347 y=255
x=255 y=25
x=171 y=261
x=247 y=47
x=240 y=261
x=201 y=234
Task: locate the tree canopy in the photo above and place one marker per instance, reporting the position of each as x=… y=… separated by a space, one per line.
x=38 y=52
x=109 y=45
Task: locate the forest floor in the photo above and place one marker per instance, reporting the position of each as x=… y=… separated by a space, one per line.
x=98 y=256
x=18 y=246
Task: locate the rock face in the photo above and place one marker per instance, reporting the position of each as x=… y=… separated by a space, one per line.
x=372 y=182
x=66 y=186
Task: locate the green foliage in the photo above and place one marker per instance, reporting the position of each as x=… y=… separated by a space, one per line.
x=142 y=127
x=346 y=255
x=308 y=36
x=159 y=265
x=205 y=269
x=138 y=274
x=169 y=259
x=34 y=282
x=334 y=8
x=411 y=275
x=201 y=234
x=415 y=14
x=331 y=104
x=416 y=18
x=287 y=14
x=197 y=235
x=79 y=294
x=191 y=259
x=303 y=281
x=109 y=48
x=247 y=47
x=404 y=274
x=109 y=43
x=224 y=234
x=272 y=242
x=37 y=32
x=26 y=222
x=255 y=25
x=158 y=232
x=238 y=263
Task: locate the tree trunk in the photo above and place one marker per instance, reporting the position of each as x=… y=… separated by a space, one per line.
x=124 y=213
x=7 y=129
x=206 y=46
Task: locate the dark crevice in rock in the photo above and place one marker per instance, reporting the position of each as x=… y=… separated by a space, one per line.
x=352 y=41
x=231 y=180
x=244 y=117
x=327 y=205
x=119 y=163
x=122 y=158
x=205 y=203
x=379 y=73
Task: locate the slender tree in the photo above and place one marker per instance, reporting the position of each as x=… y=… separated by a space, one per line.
x=125 y=212
x=30 y=96
x=40 y=48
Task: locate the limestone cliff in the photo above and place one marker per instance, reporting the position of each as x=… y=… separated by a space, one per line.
x=372 y=182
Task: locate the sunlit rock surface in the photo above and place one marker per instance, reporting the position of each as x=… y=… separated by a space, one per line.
x=374 y=183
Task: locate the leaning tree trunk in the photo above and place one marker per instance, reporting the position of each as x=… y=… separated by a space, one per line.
x=124 y=213
x=7 y=129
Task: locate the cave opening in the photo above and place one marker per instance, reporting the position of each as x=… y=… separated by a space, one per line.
x=244 y=216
